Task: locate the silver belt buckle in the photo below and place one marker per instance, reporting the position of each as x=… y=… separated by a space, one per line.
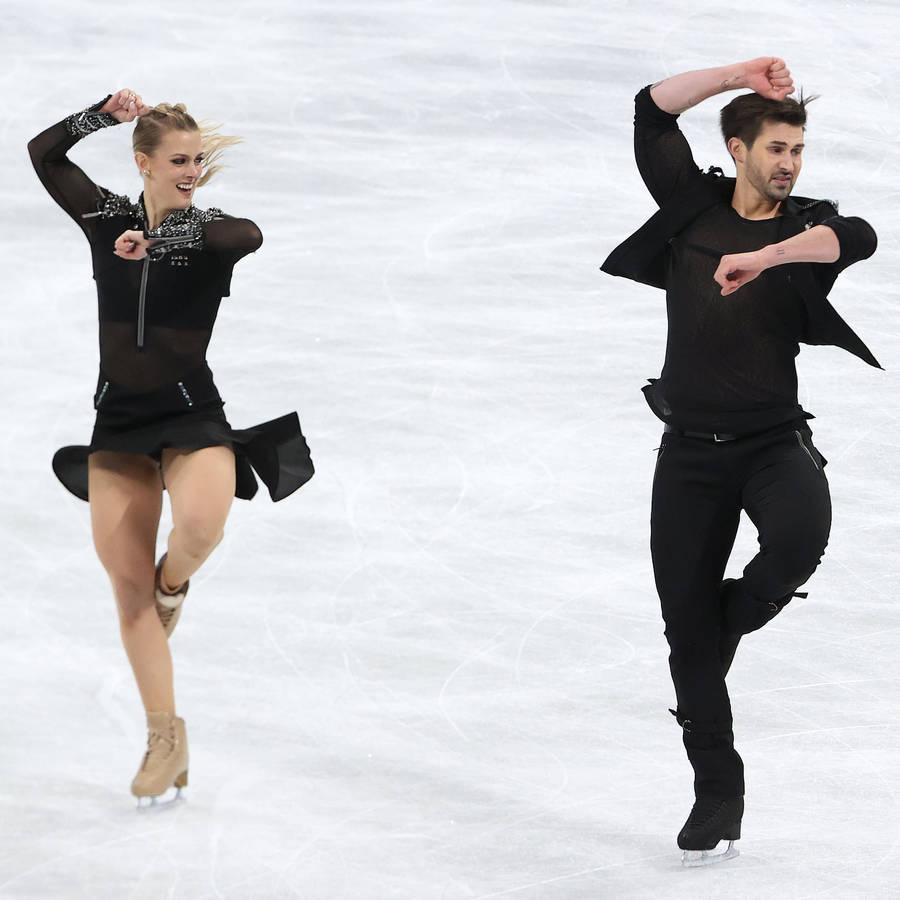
x=717 y=439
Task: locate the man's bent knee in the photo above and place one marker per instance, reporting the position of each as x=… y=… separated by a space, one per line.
x=790 y=567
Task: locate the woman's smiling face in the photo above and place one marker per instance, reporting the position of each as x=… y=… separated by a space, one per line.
x=174 y=168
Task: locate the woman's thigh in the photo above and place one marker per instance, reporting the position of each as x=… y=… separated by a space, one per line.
x=125 y=500
x=201 y=488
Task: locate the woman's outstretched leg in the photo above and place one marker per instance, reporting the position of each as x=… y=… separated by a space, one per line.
x=126 y=500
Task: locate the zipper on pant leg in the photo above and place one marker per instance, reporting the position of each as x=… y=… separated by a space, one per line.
x=142 y=303
x=808 y=453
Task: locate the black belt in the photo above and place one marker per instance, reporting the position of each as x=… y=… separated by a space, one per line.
x=718 y=437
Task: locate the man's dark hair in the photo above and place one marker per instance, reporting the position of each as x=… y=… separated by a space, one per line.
x=745 y=116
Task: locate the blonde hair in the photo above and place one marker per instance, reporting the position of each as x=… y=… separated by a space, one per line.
x=165 y=117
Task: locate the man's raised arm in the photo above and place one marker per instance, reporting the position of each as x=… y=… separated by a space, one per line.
x=767 y=75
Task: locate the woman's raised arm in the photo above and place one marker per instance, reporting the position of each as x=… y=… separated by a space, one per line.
x=66 y=183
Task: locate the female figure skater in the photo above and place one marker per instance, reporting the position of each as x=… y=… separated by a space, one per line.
x=161 y=267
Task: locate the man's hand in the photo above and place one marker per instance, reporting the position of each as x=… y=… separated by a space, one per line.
x=769 y=76
x=132 y=245
x=125 y=106
x=736 y=269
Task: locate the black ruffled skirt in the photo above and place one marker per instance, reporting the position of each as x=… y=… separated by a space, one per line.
x=188 y=415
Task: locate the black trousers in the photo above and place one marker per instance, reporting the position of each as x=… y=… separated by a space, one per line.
x=699 y=490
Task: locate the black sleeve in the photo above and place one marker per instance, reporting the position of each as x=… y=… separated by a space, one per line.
x=64 y=181
x=661 y=151
x=232 y=237
x=856 y=237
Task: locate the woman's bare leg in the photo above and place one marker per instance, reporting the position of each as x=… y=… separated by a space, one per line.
x=126 y=500
x=201 y=489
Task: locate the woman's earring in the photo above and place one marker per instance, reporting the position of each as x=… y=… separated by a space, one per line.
x=145 y=171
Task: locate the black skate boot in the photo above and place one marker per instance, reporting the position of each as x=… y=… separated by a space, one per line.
x=712 y=819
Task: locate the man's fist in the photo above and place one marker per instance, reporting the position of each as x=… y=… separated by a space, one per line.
x=769 y=76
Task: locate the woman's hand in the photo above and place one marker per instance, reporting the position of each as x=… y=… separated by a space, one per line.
x=132 y=245
x=125 y=106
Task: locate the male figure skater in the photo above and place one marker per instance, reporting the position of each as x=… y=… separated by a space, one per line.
x=746 y=268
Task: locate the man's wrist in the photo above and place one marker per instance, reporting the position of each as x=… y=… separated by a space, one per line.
x=773 y=255
x=734 y=77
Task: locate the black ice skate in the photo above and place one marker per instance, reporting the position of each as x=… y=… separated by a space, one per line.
x=711 y=820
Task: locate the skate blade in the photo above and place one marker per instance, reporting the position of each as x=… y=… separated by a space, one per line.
x=169 y=799
x=695 y=858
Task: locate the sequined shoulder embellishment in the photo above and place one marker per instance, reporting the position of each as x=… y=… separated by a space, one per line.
x=182 y=229
x=110 y=205
x=119 y=205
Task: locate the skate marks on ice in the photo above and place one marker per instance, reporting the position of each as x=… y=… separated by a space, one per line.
x=140 y=844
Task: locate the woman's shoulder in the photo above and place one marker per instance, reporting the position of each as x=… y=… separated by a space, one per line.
x=210 y=214
x=110 y=205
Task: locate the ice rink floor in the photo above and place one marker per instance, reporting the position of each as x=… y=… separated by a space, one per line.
x=438 y=671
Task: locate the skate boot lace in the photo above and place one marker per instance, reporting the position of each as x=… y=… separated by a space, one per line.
x=159 y=744
x=166 y=613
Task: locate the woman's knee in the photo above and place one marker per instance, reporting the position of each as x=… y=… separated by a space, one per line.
x=133 y=591
x=198 y=536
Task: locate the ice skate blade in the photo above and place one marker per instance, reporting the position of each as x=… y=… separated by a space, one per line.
x=692 y=859
x=168 y=800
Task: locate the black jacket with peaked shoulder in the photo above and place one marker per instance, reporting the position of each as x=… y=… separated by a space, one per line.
x=643 y=257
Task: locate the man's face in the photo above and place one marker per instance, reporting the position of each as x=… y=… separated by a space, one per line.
x=773 y=163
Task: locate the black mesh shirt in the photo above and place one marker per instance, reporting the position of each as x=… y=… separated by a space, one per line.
x=156 y=315
x=730 y=361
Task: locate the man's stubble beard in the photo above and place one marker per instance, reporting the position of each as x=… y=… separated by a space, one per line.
x=764 y=185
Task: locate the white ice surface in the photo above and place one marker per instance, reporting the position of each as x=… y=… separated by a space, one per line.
x=438 y=671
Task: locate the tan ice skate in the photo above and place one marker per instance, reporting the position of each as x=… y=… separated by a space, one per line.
x=165 y=763
x=168 y=605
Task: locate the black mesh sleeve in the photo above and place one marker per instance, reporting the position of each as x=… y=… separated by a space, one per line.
x=65 y=182
x=232 y=237
x=661 y=151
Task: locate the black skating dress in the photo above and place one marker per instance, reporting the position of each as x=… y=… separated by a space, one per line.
x=155 y=388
